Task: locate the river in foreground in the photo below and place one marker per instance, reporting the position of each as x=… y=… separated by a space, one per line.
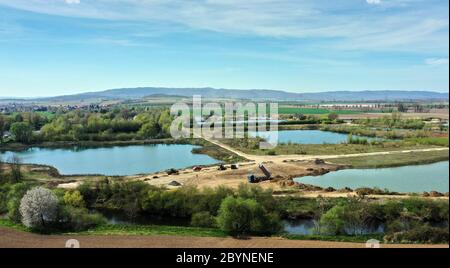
x=407 y=179
x=114 y=161
x=296 y=227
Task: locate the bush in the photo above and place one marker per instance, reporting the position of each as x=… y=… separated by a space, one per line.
x=79 y=219
x=333 y=222
x=422 y=234
x=39 y=208
x=262 y=196
x=203 y=219
x=15 y=194
x=22 y=132
x=351 y=217
x=239 y=216
x=211 y=199
x=74 y=199
x=373 y=191
x=4 y=190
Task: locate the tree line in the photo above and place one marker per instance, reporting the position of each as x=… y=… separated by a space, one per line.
x=117 y=124
x=247 y=210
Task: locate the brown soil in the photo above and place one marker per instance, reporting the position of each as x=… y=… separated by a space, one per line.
x=282 y=167
x=10 y=238
x=212 y=177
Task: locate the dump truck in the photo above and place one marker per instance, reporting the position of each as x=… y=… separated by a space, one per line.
x=252 y=178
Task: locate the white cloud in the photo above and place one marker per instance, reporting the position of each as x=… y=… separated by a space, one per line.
x=437 y=61
x=70 y=2
x=373 y=2
x=412 y=24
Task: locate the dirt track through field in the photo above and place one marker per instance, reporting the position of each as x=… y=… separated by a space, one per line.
x=283 y=168
x=284 y=158
x=10 y=238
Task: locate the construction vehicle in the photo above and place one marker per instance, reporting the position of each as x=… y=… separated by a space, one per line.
x=252 y=178
x=197 y=169
x=222 y=167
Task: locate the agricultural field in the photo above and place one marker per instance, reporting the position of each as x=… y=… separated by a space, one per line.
x=313 y=111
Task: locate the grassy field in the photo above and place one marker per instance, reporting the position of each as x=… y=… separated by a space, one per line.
x=48 y=115
x=315 y=111
x=248 y=146
x=154 y=230
x=134 y=230
x=393 y=160
x=335 y=238
x=439 y=141
x=9 y=224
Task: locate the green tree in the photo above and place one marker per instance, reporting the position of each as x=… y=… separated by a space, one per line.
x=149 y=130
x=14 y=197
x=203 y=219
x=246 y=216
x=332 y=221
x=350 y=218
x=22 y=132
x=165 y=120
x=74 y=199
x=18 y=118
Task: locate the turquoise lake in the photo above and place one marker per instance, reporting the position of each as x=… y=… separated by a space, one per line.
x=411 y=179
x=114 y=161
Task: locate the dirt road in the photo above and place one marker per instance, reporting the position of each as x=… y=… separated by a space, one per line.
x=285 y=158
x=283 y=168
x=10 y=238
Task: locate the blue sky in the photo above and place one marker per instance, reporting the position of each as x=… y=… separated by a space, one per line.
x=55 y=47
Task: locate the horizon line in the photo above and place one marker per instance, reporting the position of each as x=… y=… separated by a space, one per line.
x=217 y=88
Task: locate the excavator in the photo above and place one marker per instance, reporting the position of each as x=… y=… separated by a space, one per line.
x=252 y=178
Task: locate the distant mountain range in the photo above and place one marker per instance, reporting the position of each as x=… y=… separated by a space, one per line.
x=255 y=94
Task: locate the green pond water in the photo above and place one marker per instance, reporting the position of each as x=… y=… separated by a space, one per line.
x=411 y=179
x=114 y=161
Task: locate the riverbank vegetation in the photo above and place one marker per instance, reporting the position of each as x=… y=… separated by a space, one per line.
x=391 y=134
x=393 y=159
x=251 y=146
x=81 y=125
x=394 y=121
x=248 y=210
x=102 y=128
x=403 y=220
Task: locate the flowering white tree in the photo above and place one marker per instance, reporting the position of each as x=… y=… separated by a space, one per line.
x=38 y=207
